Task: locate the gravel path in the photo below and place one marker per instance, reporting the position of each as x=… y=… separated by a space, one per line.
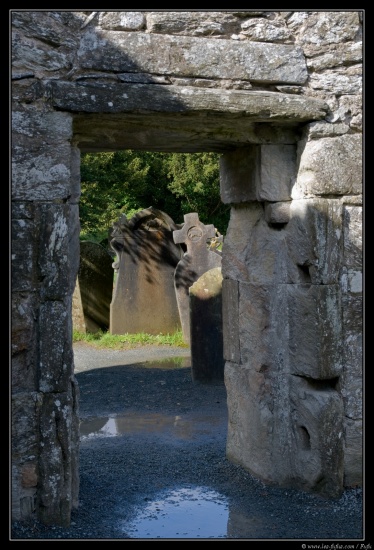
x=149 y=434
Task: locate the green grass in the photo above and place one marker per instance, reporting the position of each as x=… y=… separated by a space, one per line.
x=127 y=341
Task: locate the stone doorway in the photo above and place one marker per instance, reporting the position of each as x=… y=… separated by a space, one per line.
x=258 y=135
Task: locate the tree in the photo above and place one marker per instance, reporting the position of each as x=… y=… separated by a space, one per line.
x=124 y=182
x=194 y=179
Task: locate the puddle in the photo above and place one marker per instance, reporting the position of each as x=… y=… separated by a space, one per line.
x=182 y=513
x=179 y=427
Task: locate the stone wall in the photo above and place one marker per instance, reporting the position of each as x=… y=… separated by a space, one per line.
x=279 y=95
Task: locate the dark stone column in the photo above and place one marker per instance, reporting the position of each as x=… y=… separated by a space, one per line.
x=206 y=337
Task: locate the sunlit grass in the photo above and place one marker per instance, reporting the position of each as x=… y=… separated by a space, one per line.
x=127 y=341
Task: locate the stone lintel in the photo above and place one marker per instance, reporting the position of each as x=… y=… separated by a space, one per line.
x=260 y=106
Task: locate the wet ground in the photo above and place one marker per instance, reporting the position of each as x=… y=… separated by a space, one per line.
x=153 y=463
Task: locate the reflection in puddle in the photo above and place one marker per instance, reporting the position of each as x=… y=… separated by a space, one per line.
x=177 y=426
x=183 y=513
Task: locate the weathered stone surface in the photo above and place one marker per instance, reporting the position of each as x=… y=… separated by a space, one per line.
x=352 y=337
x=323 y=129
x=25 y=410
x=277 y=212
x=44 y=171
x=230 y=320
x=24 y=312
x=168 y=132
x=45 y=43
x=249 y=403
x=117 y=98
x=288 y=328
x=257 y=251
x=207 y=362
x=52 y=221
x=314 y=330
x=264 y=409
x=338 y=84
x=191 y=23
x=337 y=55
x=24 y=419
x=73 y=245
x=122 y=21
x=308 y=248
x=265 y=31
x=138 y=78
x=263 y=327
x=47 y=126
x=349 y=108
x=324 y=28
x=75 y=178
x=23 y=499
x=224 y=84
x=56 y=28
x=352 y=227
x=330 y=166
x=351 y=281
x=353 y=464
x=265 y=172
x=41 y=155
x=29 y=475
x=352 y=200
x=56 y=355
x=186 y=56
x=25 y=88
x=278 y=172
x=317 y=453
x=314 y=239
x=58 y=429
x=23 y=254
x=30 y=54
x=243 y=218
x=239 y=175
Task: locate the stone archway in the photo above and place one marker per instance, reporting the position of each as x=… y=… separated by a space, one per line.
x=282 y=299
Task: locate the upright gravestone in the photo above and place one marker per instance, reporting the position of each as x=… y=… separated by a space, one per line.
x=93 y=289
x=144 y=297
x=198 y=259
x=207 y=361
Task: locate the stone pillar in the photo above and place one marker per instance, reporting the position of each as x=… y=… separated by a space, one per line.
x=45 y=424
x=332 y=166
x=281 y=292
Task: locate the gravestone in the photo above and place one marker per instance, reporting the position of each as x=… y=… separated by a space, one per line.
x=93 y=289
x=144 y=297
x=198 y=259
x=207 y=361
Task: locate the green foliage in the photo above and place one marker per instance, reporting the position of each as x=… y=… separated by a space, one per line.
x=114 y=184
x=194 y=179
x=124 y=182
x=102 y=339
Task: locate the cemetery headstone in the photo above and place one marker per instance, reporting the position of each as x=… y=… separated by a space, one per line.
x=93 y=289
x=144 y=297
x=198 y=259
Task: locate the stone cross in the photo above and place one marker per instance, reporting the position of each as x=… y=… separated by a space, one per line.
x=198 y=259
